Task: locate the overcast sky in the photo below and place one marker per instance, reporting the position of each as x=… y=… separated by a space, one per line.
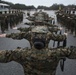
x=43 y=2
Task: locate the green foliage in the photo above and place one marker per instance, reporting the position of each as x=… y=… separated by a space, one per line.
x=18 y=6
x=43 y=7
x=53 y=7
x=56 y=6
x=24 y=7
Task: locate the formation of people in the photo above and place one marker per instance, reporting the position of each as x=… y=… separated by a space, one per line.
x=68 y=20
x=39 y=60
x=11 y=20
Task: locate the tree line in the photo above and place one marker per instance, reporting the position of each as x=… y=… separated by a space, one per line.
x=24 y=7
x=18 y=6
x=56 y=7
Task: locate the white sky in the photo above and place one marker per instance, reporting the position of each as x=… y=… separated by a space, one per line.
x=43 y=2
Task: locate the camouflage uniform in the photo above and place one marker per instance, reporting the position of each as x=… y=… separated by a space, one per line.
x=38 y=62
